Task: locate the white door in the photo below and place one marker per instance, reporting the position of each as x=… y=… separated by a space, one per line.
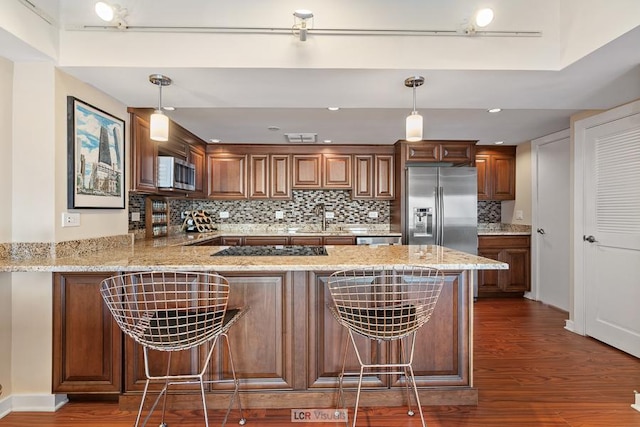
x=612 y=233
x=551 y=219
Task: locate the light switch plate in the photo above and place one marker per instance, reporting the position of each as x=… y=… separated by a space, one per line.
x=135 y=216
x=373 y=214
x=328 y=215
x=519 y=215
x=279 y=214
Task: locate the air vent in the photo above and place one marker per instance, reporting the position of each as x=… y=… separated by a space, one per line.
x=301 y=138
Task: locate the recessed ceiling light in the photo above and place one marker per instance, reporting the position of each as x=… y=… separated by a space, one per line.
x=273 y=128
x=494 y=110
x=215 y=141
x=167 y=108
x=499 y=142
x=327 y=141
x=333 y=108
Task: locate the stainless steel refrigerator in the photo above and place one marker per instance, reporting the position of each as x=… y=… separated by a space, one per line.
x=441 y=205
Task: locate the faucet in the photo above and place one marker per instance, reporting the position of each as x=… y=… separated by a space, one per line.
x=319 y=209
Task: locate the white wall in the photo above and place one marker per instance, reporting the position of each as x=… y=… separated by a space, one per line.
x=6 y=89
x=523 y=188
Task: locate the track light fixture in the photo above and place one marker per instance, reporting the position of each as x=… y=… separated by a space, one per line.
x=301 y=24
x=414 y=120
x=159 y=124
x=111 y=13
x=481 y=19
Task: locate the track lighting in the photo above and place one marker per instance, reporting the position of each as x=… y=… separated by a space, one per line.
x=159 y=123
x=301 y=24
x=414 y=120
x=111 y=13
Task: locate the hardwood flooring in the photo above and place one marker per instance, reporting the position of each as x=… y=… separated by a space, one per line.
x=528 y=369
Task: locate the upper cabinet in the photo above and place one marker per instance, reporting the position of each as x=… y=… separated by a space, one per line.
x=455 y=152
x=322 y=171
x=496 y=172
x=269 y=176
x=373 y=176
x=227 y=175
x=182 y=144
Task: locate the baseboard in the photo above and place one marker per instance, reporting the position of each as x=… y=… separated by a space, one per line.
x=569 y=325
x=5 y=406
x=37 y=402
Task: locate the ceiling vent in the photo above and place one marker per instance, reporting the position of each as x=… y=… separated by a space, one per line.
x=301 y=138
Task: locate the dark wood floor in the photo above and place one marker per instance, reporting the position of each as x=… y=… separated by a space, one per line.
x=529 y=372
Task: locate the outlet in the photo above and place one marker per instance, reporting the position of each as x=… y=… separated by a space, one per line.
x=519 y=215
x=279 y=214
x=373 y=214
x=224 y=214
x=329 y=215
x=135 y=216
x=70 y=219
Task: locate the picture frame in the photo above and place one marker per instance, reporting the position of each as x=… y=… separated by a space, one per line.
x=95 y=157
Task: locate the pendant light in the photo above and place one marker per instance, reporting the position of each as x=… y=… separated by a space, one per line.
x=414 y=120
x=159 y=125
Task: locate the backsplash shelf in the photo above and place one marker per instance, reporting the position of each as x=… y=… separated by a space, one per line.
x=156 y=217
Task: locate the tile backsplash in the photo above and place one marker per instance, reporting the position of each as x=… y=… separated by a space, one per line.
x=297 y=210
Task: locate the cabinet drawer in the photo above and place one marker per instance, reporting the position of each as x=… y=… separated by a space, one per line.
x=503 y=242
x=266 y=240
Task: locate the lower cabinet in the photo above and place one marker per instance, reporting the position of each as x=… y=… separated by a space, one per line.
x=278 y=240
x=87 y=342
x=515 y=251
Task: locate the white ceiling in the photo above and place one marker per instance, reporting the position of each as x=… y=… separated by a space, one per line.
x=233 y=86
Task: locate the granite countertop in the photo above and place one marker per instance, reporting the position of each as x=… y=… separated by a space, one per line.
x=500 y=229
x=163 y=254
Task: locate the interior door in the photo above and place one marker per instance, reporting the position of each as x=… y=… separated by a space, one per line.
x=612 y=233
x=551 y=216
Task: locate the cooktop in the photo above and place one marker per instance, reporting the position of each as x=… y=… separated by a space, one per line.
x=277 y=250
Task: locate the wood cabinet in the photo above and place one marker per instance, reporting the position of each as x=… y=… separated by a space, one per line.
x=156 y=217
x=182 y=144
x=339 y=240
x=269 y=176
x=515 y=251
x=278 y=240
x=87 y=342
x=373 y=176
x=307 y=171
x=266 y=240
x=439 y=355
x=496 y=173
x=456 y=152
x=144 y=153
x=336 y=171
x=227 y=174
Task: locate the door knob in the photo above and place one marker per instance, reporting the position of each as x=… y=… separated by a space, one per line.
x=589 y=239
x=541 y=230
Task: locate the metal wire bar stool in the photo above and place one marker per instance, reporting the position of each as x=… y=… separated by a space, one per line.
x=385 y=305
x=171 y=311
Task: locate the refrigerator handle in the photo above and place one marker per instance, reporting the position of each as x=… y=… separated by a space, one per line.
x=441 y=213
x=436 y=232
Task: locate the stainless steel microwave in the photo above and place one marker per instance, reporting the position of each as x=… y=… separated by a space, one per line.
x=176 y=174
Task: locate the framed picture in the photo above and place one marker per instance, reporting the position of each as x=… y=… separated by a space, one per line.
x=95 y=157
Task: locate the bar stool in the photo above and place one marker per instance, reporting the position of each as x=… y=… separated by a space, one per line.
x=171 y=311
x=384 y=305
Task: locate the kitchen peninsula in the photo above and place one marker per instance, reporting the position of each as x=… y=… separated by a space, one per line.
x=287 y=350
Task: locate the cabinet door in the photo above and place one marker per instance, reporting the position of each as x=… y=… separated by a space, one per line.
x=489 y=280
x=232 y=241
x=517 y=277
x=264 y=363
x=456 y=153
x=503 y=176
x=306 y=240
x=306 y=171
x=423 y=152
x=280 y=176
x=259 y=176
x=383 y=177
x=363 y=177
x=484 y=179
x=336 y=171
x=265 y=240
x=339 y=240
x=197 y=157
x=327 y=339
x=144 y=157
x=227 y=176
x=87 y=342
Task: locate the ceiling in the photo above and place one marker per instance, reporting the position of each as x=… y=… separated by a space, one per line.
x=238 y=69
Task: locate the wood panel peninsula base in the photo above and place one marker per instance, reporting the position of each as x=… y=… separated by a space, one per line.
x=287 y=349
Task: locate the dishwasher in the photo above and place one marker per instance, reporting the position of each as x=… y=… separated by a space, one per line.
x=378 y=240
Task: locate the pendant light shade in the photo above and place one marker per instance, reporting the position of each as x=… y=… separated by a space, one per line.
x=414 y=120
x=414 y=127
x=159 y=124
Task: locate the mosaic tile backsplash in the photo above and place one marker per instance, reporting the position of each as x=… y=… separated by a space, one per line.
x=298 y=210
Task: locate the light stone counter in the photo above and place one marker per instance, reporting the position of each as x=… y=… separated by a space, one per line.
x=170 y=254
x=500 y=229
